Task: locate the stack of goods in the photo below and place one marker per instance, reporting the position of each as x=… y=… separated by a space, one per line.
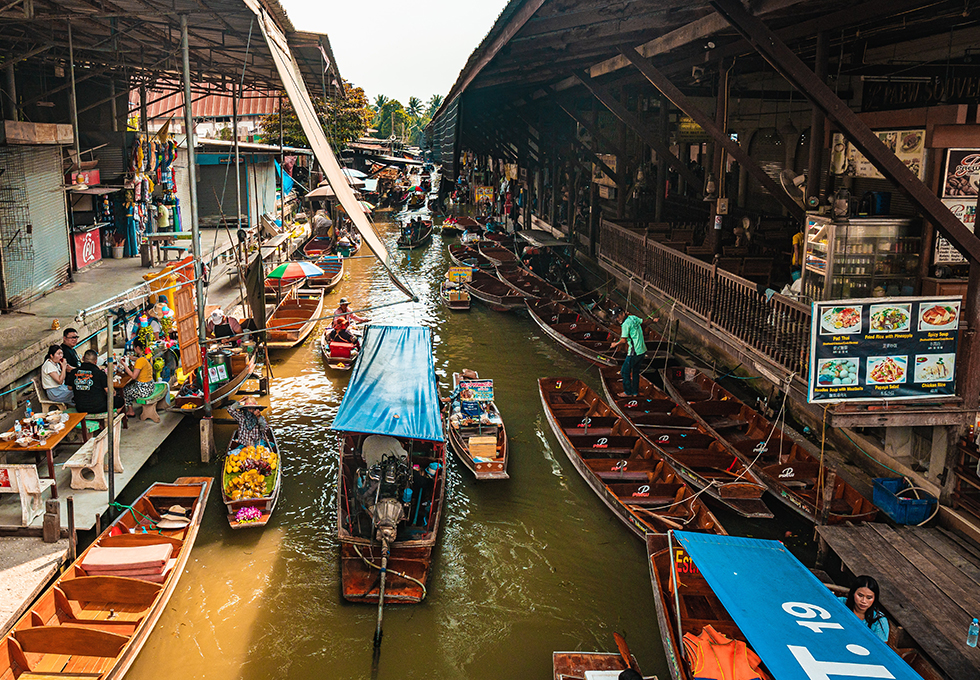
x=146 y=563
x=250 y=472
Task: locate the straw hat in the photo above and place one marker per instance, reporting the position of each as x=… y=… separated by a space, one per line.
x=157 y=311
x=217 y=316
x=176 y=517
x=249 y=402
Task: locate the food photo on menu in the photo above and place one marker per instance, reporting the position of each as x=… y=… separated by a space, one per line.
x=939 y=316
x=934 y=367
x=887 y=370
x=840 y=320
x=891 y=318
x=837 y=372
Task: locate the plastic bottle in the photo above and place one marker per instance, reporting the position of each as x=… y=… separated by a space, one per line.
x=29 y=413
x=18 y=429
x=971 y=636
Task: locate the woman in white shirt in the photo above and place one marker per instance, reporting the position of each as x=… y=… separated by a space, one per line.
x=53 y=373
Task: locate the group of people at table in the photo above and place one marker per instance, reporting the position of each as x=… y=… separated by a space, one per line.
x=79 y=381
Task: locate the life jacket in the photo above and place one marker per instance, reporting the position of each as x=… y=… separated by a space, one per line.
x=713 y=656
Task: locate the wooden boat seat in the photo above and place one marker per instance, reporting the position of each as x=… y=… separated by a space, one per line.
x=703 y=459
x=597 y=430
x=609 y=476
x=647 y=501
x=680 y=439
x=70 y=640
x=639 y=406
x=661 y=420
x=111 y=589
x=725 y=424
x=710 y=409
x=598 y=443
x=51 y=675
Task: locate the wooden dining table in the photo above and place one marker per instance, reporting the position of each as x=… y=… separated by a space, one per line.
x=48 y=445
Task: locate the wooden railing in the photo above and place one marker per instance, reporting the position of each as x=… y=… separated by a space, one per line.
x=773 y=325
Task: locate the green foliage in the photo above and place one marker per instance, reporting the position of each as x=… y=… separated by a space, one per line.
x=343 y=120
x=409 y=121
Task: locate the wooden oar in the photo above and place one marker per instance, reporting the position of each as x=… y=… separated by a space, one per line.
x=669 y=522
x=624 y=651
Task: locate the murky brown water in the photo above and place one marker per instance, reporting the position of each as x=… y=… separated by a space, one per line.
x=524 y=567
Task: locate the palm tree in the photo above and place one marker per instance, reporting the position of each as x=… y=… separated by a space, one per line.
x=414 y=108
x=434 y=103
x=380 y=101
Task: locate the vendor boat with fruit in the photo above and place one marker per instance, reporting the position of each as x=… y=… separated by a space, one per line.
x=252 y=472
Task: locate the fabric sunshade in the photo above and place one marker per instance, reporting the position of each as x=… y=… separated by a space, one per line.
x=393 y=387
x=791 y=620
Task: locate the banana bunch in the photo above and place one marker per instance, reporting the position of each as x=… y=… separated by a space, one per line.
x=261 y=453
x=249 y=484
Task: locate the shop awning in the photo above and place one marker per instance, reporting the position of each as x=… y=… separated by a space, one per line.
x=393 y=388
x=799 y=629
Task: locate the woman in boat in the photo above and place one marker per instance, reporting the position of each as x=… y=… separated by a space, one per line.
x=251 y=424
x=221 y=326
x=865 y=601
x=341 y=333
x=142 y=374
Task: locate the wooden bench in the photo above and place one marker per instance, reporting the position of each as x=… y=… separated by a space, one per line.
x=149 y=403
x=88 y=464
x=24 y=481
x=43 y=401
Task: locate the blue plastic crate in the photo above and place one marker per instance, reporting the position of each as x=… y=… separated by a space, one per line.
x=902 y=509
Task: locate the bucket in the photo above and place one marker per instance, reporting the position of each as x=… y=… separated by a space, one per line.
x=117 y=252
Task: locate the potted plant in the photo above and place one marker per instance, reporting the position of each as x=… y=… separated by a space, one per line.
x=118 y=244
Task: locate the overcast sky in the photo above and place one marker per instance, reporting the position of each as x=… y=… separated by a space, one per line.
x=399 y=49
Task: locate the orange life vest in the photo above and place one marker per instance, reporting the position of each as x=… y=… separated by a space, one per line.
x=713 y=656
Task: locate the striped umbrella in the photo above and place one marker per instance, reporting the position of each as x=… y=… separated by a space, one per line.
x=293 y=271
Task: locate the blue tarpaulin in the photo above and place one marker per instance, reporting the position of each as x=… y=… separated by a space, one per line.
x=287 y=180
x=393 y=388
x=798 y=627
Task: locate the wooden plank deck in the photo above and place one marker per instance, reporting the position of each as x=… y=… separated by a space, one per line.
x=930 y=584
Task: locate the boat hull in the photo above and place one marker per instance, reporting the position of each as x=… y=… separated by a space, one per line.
x=294 y=319
x=266 y=505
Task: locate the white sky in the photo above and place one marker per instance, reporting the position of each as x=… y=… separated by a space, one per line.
x=399 y=49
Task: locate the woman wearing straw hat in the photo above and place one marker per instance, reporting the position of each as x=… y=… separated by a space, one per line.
x=221 y=326
x=251 y=425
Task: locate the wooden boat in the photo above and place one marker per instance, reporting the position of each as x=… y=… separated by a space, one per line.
x=492 y=292
x=294 y=319
x=782 y=463
x=530 y=285
x=339 y=355
x=467 y=223
x=371 y=515
x=628 y=474
x=333 y=272
x=450 y=227
x=349 y=243
x=263 y=458
x=497 y=254
x=575 y=665
x=481 y=447
x=194 y=405
x=421 y=237
x=454 y=296
x=581 y=335
x=93 y=621
x=697 y=455
x=318 y=246
x=468 y=256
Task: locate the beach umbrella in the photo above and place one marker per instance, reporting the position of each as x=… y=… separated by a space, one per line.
x=293 y=271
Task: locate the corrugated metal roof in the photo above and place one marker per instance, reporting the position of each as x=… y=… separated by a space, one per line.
x=217 y=105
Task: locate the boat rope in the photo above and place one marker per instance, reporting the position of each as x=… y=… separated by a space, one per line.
x=390 y=571
x=133 y=511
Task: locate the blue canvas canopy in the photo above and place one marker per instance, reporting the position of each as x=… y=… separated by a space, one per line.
x=798 y=627
x=393 y=388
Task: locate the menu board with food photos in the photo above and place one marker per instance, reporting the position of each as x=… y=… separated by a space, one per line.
x=961 y=183
x=908 y=145
x=883 y=348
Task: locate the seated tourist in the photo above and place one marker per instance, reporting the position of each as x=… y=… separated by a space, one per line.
x=343 y=311
x=54 y=370
x=142 y=374
x=340 y=332
x=90 y=386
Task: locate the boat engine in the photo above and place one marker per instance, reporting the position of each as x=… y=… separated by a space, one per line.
x=392 y=478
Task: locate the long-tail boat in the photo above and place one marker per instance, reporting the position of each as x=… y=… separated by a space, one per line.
x=628 y=474
x=783 y=464
x=498 y=254
x=468 y=256
x=294 y=319
x=416 y=238
x=251 y=497
x=454 y=296
x=478 y=439
x=333 y=272
x=577 y=665
x=95 y=618
x=746 y=607
x=392 y=479
x=494 y=293
x=580 y=334
x=702 y=460
x=531 y=285
x=317 y=246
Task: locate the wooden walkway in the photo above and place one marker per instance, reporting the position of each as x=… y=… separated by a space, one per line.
x=930 y=584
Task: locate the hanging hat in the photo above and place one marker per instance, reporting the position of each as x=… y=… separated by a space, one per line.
x=157 y=312
x=249 y=402
x=176 y=517
x=217 y=316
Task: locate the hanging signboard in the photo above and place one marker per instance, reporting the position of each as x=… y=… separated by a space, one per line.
x=460 y=274
x=879 y=349
x=961 y=181
x=476 y=390
x=908 y=145
x=483 y=194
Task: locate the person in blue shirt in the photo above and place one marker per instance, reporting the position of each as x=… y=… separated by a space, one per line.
x=632 y=337
x=865 y=601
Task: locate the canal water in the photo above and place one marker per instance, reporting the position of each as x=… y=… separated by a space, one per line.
x=524 y=567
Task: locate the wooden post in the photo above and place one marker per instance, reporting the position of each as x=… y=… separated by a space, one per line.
x=51 y=529
x=818 y=122
x=823 y=552
x=72 y=536
x=207 y=439
x=830 y=480
x=98 y=524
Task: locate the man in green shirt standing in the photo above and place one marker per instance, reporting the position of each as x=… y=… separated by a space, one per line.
x=632 y=337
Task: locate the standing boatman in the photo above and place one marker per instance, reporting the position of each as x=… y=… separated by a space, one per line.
x=632 y=337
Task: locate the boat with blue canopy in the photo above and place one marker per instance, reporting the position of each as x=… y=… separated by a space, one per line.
x=747 y=608
x=392 y=468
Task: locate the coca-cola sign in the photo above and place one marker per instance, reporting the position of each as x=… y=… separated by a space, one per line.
x=87 y=247
x=962 y=173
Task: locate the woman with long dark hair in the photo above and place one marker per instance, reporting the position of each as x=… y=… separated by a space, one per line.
x=865 y=601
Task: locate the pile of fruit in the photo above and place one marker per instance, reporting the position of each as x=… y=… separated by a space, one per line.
x=249 y=484
x=251 y=458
